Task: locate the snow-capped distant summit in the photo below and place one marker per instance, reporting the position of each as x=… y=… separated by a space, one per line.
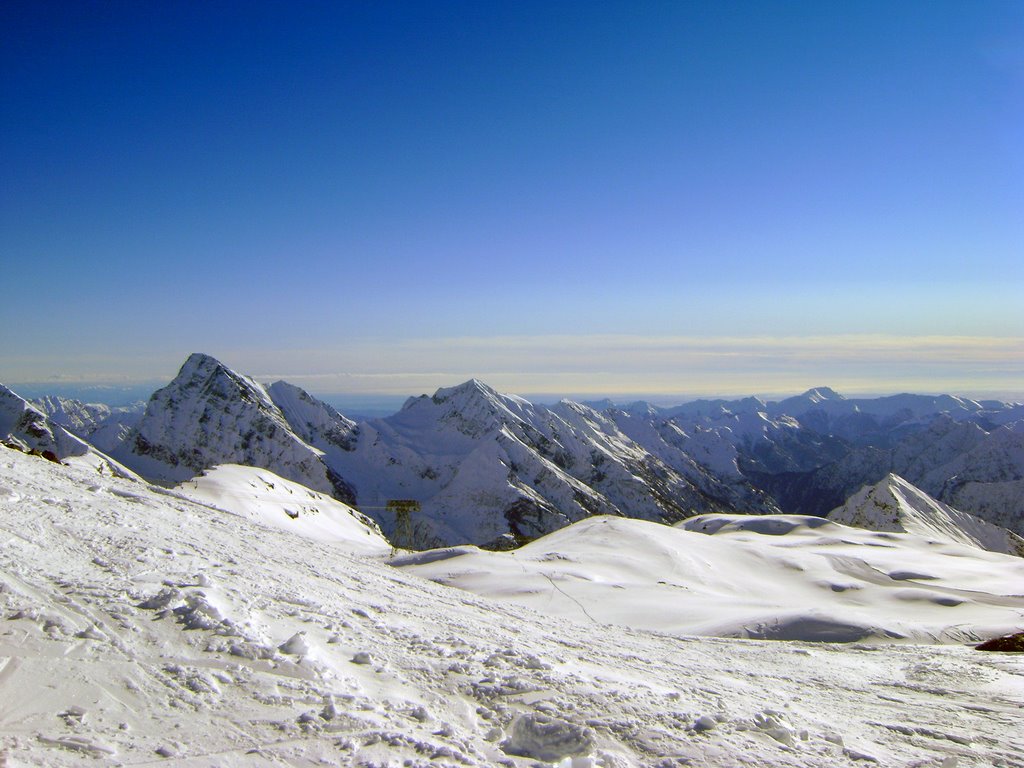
x=477 y=408
x=821 y=394
x=896 y=505
x=74 y=415
x=815 y=399
x=100 y=425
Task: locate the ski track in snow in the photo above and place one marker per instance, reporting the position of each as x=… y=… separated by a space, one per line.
x=139 y=628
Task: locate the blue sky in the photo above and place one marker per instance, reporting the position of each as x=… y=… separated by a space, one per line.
x=391 y=197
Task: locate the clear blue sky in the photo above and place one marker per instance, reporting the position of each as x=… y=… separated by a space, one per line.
x=556 y=196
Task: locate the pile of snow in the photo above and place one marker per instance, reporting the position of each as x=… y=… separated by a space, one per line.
x=779 y=576
x=262 y=496
x=139 y=627
x=896 y=505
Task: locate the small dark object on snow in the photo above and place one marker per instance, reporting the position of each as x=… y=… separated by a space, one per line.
x=1007 y=644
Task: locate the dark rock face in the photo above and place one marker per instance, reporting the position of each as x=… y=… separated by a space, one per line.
x=527 y=520
x=1007 y=644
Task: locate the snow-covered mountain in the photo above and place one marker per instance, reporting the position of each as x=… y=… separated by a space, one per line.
x=988 y=479
x=73 y=415
x=765 y=442
x=210 y=415
x=484 y=464
x=25 y=427
x=140 y=627
x=895 y=505
x=101 y=425
x=956 y=461
x=487 y=467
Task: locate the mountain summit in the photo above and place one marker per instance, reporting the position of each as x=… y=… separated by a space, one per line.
x=210 y=415
x=895 y=505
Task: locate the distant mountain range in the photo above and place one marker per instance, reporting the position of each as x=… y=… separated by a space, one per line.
x=494 y=469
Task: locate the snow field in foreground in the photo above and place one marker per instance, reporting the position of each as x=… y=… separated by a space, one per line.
x=137 y=627
x=782 y=577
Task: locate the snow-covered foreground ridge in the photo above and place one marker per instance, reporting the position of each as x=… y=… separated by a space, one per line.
x=141 y=628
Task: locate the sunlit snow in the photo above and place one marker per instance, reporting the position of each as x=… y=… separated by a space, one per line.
x=142 y=628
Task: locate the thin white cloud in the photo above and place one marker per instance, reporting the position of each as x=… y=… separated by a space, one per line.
x=613 y=364
x=598 y=365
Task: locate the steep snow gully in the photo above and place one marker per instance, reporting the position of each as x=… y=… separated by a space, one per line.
x=138 y=627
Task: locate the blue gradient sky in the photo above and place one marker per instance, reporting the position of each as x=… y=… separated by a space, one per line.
x=390 y=197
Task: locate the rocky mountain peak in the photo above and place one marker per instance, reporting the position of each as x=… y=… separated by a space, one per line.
x=894 y=504
x=210 y=415
x=205 y=377
x=475 y=408
x=820 y=394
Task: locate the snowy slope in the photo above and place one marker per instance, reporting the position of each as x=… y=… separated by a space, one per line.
x=895 y=505
x=266 y=498
x=210 y=415
x=988 y=479
x=778 y=576
x=101 y=425
x=314 y=421
x=141 y=629
x=27 y=428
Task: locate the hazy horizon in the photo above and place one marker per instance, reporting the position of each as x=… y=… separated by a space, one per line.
x=122 y=392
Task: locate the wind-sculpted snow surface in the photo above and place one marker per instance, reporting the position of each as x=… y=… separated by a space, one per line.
x=140 y=628
x=779 y=576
